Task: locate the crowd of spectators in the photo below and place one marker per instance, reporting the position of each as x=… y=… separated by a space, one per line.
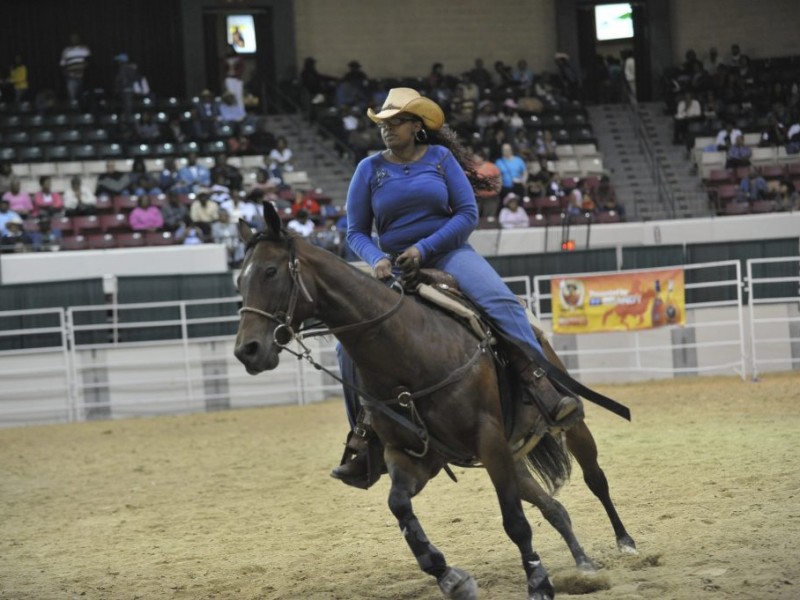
x=740 y=105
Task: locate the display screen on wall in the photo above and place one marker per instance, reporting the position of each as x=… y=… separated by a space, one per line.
x=241 y=33
x=613 y=21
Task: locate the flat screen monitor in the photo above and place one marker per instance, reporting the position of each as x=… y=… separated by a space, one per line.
x=613 y=21
x=241 y=33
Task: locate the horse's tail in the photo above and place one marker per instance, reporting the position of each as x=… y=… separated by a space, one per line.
x=550 y=461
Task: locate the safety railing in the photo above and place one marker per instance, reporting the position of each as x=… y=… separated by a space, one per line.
x=774 y=310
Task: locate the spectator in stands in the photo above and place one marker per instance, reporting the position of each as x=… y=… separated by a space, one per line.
x=753 y=186
x=230 y=112
x=191 y=234
x=225 y=173
x=727 y=137
x=219 y=192
x=512 y=216
x=174 y=212
x=126 y=77
x=74 y=60
x=523 y=77
x=435 y=77
x=146 y=216
x=203 y=212
x=488 y=199
x=352 y=88
x=225 y=232
x=237 y=208
x=568 y=79
x=481 y=76
x=46 y=239
x=301 y=224
x=194 y=175
x=629 y=69
x=738 y=154
x=773 y=134
x=170 y=180
x=47 y=203
x=554 y=188
x=141 y=87
x=513 y=170
x=362 y=139
x=280 y=159
x=587 y=203
x=112 y=182
x=304 y=200
x=233 y=74
x=735 y=58
x=786 y=196
x=142 y=182
x=15 y=238
x=207 y=114
x=78 y=199
x=522 y=144
x=316 y=85
x=174 y=131
x=504 y=73
x=793 y=138
x=689 y=111
x=6 y=176
x=711 y=63
x=147 y=129
x=545 y=147
x=18 y=78
x=18 y=200
x=606 y=198
x=264 y=183
x=6 y=214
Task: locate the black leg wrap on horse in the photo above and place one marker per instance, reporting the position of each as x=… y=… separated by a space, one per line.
x=540 y=586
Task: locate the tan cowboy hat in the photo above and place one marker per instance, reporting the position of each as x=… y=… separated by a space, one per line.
x=409 y=101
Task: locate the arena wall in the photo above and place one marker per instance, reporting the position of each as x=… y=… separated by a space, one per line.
x=762 y=29
x=391 y=39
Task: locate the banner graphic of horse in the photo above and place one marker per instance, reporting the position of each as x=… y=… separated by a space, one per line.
x=619 y=302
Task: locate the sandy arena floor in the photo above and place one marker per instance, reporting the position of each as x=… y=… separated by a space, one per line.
x=239 y=505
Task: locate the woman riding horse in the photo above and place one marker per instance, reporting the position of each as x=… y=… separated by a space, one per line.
x=419 y=196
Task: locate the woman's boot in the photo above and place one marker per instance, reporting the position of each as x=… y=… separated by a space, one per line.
x=362 y=461
x=561 y=411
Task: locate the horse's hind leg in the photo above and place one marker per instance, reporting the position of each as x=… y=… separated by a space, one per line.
x=582 y=446
x=408 y=479
x=496 y=457
x=554 y=512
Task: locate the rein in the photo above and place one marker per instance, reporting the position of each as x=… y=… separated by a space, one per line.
x=284 y=334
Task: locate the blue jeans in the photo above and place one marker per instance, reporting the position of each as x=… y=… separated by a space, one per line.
x=481 y=284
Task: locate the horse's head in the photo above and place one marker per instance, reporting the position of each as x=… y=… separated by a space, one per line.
x=274 y=297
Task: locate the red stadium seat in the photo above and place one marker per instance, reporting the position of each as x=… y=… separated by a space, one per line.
x=159 y=238
x=537 y=220
x=101 y=241
x=74 y=242
x=104 y=205
x=609 y=216
x=62 y=224
x=86 y=224
x=719 y=177
x=737 y=208
x=487 y=223
x=132 y=239
x=762 y=206
x=772 y=171
x=125 y=204
x=114 y=223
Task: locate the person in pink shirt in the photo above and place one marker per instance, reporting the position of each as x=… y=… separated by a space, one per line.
x=146 y=217
x=18 y=201
x=45 y=201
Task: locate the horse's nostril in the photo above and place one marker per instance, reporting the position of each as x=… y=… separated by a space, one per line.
x=248 y=350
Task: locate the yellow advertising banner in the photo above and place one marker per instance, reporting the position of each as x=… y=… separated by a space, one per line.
x=618 y=302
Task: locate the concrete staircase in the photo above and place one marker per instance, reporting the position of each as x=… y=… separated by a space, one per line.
x=630 y=170
x=314 y=155
x=691 y=199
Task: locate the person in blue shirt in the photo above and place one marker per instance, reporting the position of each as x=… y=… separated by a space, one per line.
x=419 y=196
x=513 y=170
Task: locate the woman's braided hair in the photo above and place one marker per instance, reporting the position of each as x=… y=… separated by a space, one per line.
x=447 y=137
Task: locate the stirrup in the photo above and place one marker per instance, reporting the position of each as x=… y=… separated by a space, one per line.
x=362 y=460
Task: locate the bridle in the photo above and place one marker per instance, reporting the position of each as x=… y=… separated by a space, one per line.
x=285 y=333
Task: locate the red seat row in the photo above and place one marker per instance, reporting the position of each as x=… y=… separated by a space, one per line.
x=103 y=241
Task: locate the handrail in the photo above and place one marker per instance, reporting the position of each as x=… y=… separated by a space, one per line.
x=340 y=144
x=666 y=196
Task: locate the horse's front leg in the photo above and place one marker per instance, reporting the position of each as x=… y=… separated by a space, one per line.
x=409 y=476
x=496 y=456
x=554 y=512
x=582 y=446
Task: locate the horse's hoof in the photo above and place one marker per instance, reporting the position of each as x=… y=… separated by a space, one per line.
x=539 y=585
x=458 y=585
x=626 y=545
x=586 y=566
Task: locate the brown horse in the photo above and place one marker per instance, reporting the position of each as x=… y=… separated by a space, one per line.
x=401 y=346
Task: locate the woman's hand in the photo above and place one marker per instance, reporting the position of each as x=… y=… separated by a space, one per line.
x=383 y=269
x=408 y=262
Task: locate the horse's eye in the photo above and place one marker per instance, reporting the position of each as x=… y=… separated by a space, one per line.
x=270 y=272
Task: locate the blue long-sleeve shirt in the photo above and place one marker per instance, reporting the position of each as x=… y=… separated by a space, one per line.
x=429 y=204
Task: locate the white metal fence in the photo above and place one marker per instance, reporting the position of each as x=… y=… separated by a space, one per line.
x=93 y=370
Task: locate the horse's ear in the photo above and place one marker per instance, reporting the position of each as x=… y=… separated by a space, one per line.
x=245 y=231
x=272 y=219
